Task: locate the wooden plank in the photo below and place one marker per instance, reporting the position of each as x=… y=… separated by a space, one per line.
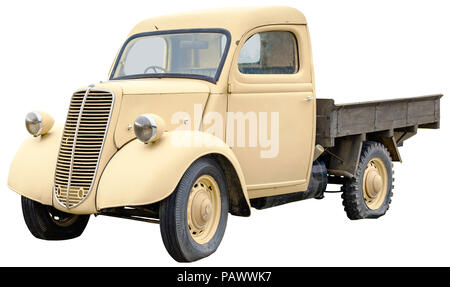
x=390 y=115
x=355 y=120
x=422 y=112
x=324 y=113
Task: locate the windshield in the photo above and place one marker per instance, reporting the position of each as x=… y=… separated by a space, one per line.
x=188 y=54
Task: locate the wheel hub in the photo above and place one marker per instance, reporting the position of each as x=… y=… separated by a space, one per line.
x=203 y=210
x=375 y=183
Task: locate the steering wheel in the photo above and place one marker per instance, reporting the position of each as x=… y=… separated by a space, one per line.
x=155 y=68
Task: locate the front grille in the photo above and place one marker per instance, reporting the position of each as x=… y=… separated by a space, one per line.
x=81 y=145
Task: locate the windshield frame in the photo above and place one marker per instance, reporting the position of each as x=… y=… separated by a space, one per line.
x=175 y=75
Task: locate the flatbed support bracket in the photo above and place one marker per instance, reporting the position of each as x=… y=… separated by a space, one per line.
x=391 y=145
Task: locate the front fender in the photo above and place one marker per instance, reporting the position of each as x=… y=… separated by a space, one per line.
x=141 y=174
x=32 y=170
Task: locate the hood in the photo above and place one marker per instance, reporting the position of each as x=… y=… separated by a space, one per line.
x=177 y=101
x=159 y=86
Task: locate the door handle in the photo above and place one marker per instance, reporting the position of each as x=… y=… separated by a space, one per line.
x=308 y=98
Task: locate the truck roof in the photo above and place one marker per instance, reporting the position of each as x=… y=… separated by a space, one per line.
x=236 y=20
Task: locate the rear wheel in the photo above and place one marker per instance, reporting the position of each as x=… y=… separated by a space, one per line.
x=46 y=222
x=194 y=217
x=369 y=193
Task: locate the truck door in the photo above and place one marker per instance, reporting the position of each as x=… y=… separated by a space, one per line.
x=271 y=83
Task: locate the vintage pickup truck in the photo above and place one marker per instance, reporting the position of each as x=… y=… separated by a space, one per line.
x=204 y=114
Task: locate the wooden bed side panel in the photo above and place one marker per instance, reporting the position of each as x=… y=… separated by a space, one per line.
x=334 y=121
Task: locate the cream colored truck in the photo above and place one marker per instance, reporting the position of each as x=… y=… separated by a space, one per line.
x=204 y=114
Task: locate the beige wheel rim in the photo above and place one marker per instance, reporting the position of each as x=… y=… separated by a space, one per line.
x=203 y=210
x=375 y=183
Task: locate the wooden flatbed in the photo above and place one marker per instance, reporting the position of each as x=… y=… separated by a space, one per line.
x=334 y=121
x=342 y=128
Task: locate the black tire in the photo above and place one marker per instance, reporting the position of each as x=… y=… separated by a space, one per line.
x=174 y=227
x=48 y=223
x=353 y=198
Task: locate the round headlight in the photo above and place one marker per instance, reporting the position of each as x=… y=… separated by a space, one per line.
x=148 y=128
x=38 y=123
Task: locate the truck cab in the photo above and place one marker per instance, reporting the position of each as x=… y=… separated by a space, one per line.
x=203 y=114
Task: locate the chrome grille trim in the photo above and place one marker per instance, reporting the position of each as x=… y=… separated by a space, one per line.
x=74 y=144
x=90 y=148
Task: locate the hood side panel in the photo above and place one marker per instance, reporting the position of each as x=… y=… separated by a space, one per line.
x=178 y=110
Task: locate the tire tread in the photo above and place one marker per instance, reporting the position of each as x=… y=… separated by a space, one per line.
x=41 y=225
x=352 y=197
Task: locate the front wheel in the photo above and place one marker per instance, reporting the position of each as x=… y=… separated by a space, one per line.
x=194 y=217
x=48 y=223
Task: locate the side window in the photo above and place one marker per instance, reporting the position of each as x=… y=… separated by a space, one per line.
x=273 y=52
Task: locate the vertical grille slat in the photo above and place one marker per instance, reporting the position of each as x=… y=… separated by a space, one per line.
x=81 y=145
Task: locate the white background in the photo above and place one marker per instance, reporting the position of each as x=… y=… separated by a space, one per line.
x=362 y=51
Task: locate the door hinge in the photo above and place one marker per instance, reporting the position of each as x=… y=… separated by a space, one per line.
x=229 y=88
